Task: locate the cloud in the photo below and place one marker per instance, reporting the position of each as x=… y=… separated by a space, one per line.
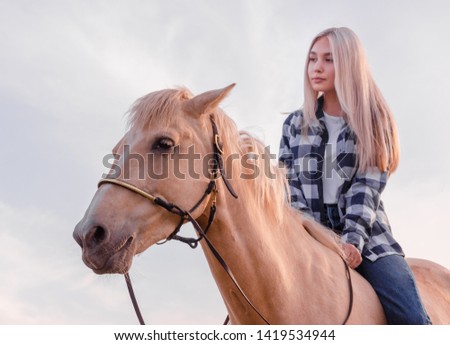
x=43 y=281
x=415 y=211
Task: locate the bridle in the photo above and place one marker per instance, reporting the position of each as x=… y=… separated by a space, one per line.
x=217 y=171
x=186 y=216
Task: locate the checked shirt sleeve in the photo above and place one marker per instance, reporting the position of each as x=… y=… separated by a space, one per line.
x=287 y=159
x=362 y=200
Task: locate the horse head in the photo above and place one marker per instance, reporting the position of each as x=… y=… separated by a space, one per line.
x=166 y=155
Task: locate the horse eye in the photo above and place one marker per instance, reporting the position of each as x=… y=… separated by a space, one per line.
x=163 y=144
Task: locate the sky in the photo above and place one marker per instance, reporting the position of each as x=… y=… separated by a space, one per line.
x=69 y=70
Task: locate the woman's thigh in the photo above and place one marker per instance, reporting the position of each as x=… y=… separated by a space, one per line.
x=394 y=283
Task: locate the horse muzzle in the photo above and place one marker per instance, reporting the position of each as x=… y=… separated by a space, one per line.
x=101 y=252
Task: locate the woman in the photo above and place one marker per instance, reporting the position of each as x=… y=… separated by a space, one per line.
x=339 y=150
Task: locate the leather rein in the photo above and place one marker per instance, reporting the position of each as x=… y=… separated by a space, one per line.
x=186 y=216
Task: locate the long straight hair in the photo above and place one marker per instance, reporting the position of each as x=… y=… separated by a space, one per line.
x=364 y=107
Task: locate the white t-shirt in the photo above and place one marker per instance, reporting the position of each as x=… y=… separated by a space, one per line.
x=330 y=178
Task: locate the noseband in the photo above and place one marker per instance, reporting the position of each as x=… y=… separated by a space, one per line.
x=186 y=216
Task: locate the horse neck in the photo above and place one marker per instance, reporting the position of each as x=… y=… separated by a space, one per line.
x=278 y=268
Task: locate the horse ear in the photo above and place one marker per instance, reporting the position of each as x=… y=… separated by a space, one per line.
x=206 y=102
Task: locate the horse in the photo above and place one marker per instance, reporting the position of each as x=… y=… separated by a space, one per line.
x=182 y=159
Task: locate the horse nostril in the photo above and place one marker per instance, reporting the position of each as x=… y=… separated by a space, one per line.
x=99 y=235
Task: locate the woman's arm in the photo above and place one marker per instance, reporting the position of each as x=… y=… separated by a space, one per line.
x=286 y=158
x=362 y=201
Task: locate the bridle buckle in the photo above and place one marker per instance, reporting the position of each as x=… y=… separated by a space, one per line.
x=218 y=143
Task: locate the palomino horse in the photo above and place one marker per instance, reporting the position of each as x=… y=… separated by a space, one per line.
x=187 y=157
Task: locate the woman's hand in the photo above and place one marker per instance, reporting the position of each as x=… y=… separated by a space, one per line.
x=352 y=255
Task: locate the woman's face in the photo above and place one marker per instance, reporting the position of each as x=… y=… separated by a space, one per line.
x=321 y=66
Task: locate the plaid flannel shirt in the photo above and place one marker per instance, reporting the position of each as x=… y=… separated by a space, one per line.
x=361 y=210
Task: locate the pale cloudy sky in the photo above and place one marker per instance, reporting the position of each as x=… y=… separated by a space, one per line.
x=69 y=71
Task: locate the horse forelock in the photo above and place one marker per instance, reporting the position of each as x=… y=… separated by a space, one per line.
x=160 y=107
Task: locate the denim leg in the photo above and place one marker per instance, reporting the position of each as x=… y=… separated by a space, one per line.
x=394 y=283
x=333 y=221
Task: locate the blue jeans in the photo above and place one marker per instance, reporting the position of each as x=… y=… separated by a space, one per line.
x=393 y=281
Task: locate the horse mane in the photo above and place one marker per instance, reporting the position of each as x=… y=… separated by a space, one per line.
x=266 y=184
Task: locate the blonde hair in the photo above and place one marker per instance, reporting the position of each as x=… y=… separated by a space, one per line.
x=365 y=110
